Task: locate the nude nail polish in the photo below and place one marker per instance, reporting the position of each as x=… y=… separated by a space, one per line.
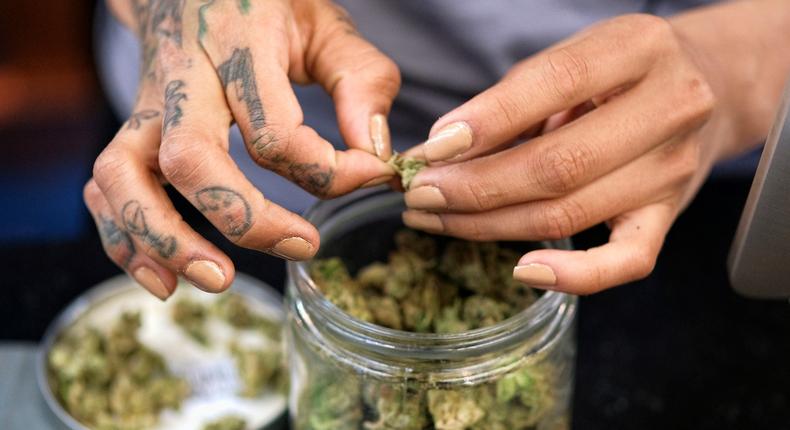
x=423 y=221
x=293 y=248
x=151 y=281
x=451 y=141
x=425 y=197
x=205 y=275
x=380 y=136
x=535 y=274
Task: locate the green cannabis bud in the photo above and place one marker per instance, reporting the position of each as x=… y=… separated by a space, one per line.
x=228 y=422
x=406 y=167
x=191 y=317
x=232 y=309
x=258 y=368
x=428 y=287
x=332 y=403
x=112 y=381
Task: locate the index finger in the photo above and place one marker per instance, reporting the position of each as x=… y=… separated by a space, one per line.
x=253 y=71
x=616 y=54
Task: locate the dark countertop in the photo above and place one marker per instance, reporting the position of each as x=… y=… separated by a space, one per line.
x=677 y=350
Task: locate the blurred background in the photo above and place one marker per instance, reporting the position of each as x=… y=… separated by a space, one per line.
x=677 y=350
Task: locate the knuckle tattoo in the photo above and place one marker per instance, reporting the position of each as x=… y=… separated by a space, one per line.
x=239 y=72
x=173 y=98
x=117 y=242
x=272 y=152
x=226 y=208
x=312 y=177
x=134 y=222
x=157 y=20
x=137 y=118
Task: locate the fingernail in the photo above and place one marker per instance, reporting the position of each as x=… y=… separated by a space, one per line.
x=451 y=141
x=425 y=197
x=380 y=136
x=536 y=274
x=423 y=221
x=377 y=181
x=205 y=275
x=293 y=248
x=151 y=281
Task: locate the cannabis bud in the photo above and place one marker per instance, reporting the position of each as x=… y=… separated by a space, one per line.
x=112 y=381
x=258 y=367
x=427 y=287
x=228 y=422
x=406 y=167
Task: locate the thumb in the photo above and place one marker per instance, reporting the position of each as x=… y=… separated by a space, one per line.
x=362 y=81
x=630 y=254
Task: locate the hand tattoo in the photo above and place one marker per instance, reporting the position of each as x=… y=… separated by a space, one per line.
x=133 y=217
x=173 y=98
x=112 y=236
x=166 y=18
x=244 y=6
x=312 y=177
x=157 y=19
x=238 y=70
x=227 y=208
x=202 y=25
x=137 y=118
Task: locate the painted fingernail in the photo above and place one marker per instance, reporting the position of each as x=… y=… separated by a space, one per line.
x=423 y=221
x=151 y=281
x=293 y=248
x=380 y=136
x=449 y=142
x=377 y=181
x=535 y=274
x=205 y=275
x=425 y=197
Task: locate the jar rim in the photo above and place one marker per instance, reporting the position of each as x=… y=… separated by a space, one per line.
x=383 y=340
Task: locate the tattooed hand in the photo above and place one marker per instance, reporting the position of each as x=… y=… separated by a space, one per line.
x=206 y=64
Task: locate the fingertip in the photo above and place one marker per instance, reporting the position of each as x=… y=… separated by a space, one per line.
x=151 y=280
x=547 y=269
x=450 y=142
x=380 y=136
x=294 y=249
x=534 y=274
x=357 y=168
x=209 y=276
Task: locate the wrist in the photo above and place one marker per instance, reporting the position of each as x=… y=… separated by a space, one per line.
x=741 y=47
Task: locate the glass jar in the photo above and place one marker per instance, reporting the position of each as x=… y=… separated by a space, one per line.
x=350 y=374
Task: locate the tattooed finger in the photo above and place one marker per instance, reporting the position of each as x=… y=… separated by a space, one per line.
x=137 y=118
x=194 y=158
x=119 y=246
x=144 y=211
x=225 y=208
x=274 y=133
x=134 y=222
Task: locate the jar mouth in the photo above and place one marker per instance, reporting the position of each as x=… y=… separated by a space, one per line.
x=551 y=312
